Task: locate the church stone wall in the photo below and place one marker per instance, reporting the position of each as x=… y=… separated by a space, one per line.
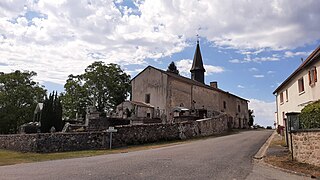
x=240 y=118
x=205 y=98
x=180 y=94
x=153 y=82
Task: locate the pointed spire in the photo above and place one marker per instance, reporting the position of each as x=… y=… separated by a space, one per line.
x=197 y=70
x=197 y=59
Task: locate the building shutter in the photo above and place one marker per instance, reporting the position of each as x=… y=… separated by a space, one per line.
x=310 y=80
x=315 y=74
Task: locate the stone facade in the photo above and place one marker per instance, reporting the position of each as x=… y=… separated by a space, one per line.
x=168 y=91
x=306 y=146
x=135 y=110
x=126 y=135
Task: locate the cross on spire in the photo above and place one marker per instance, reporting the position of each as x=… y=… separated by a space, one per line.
x=198 y=38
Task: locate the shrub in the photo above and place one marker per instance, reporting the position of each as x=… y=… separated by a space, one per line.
x=310 y=116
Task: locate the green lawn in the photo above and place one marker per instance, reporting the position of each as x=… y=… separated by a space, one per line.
x=8 y=157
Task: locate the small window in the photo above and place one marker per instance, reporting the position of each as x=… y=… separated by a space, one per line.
x=281 y=97
x=147 y=98
x=301 y=85
x=287 y=95
x=224 y=105
x=239 y=108
x=312 y=76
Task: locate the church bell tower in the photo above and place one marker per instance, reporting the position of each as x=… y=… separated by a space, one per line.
x=197 y=70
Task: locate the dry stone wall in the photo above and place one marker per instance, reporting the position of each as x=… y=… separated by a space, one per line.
x=306 y=146
x=126 y=135
x=19 y=142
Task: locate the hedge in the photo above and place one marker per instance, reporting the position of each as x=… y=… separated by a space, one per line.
x=310 y=116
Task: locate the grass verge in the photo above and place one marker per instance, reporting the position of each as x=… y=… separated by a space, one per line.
x=282 y=159
x=285 y=162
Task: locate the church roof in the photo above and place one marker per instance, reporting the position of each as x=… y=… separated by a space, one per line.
x=189 y=81
x=197 y=60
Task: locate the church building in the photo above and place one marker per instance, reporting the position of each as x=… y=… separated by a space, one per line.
x=172 y=95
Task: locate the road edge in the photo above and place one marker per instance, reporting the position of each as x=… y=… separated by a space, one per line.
x=262 y=151
x=258 y=157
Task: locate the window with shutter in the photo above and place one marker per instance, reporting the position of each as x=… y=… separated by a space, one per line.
x=312 y=76
x=300 y=85
x=281 y=97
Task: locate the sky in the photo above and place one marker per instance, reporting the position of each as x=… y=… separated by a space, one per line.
x=249 y=46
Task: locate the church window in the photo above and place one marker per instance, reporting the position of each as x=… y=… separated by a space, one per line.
x=147 y=98
x=224 y=105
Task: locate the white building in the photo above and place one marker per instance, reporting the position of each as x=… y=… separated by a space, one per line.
x=300 y=88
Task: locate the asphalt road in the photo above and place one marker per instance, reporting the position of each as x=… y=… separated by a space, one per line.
x=227 y=157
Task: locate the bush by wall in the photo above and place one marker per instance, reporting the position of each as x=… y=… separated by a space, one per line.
x=310 y=116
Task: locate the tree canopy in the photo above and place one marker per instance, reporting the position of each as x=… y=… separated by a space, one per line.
x=51 y=114
x=251 y=117
x=19 y=95
x=102 y=86
x=173 y=68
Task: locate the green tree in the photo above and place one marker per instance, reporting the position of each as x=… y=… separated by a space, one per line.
x=251 y=117
x=19 y=95
x=173 y=68
x=75 y=99
x=102 y=86
x=51 y=114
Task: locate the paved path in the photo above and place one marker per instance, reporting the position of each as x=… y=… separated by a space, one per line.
x=263 y=172
x=227 y=157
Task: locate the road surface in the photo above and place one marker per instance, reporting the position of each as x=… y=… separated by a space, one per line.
x=227 y=157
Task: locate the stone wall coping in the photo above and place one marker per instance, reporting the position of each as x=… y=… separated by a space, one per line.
x=306 y=130
x=65 y=133
x=206 y=119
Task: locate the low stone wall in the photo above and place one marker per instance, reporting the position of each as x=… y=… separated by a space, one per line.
x=306 y=146
x=126 y=135
x=19 y=142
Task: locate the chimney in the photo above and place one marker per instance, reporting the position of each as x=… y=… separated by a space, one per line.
x=214 y=84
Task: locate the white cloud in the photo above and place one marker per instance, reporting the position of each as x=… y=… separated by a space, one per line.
x=249 y=58
x=235 y=61
x=289 y=54
x=240 y=86
x=271 y=72
x=258 y=76
x=263 y=59
x=213 y=69
x=253 y=69
x=184 y=67
x=263 y=111
x=134 y=72
x=57 y=38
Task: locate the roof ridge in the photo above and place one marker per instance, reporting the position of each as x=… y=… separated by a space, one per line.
x=308 y=60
